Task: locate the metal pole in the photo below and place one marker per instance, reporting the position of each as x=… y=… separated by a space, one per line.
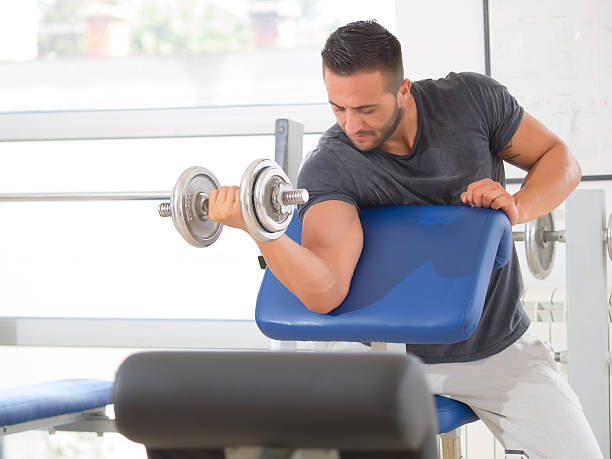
x=288 y=139
x=88 y=196
x=587 y=310
x=288 y=147
x=487 y=36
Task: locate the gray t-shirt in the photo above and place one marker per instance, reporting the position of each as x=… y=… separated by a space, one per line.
x=464 y=121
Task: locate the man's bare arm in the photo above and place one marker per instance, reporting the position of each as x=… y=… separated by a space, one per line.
x=553 y=172
x=319 y=272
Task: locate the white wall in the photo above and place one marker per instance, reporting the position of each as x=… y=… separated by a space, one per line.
x=440 y=36
x=556 y=57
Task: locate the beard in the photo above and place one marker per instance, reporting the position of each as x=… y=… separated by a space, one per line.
x=385 y=132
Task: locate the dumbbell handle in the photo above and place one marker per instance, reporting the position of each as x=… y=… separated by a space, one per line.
x=287 y=198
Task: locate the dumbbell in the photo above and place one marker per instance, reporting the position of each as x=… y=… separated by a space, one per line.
x=267 y=203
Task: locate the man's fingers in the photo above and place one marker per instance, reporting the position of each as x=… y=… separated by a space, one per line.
x=224 y=206
x=237 y=198
x=501 y=201
x=489 y=195
x=467 y=197
x=482 y=195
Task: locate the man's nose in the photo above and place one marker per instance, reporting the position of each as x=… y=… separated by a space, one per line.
x=353 y=123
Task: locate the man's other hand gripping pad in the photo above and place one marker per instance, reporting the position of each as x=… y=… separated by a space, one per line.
x=422 y=278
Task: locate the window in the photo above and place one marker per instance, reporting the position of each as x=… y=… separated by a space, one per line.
x=102 y=54
x=120 y=258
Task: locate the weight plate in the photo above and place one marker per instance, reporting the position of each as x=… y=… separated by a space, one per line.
x=186 y=202
x=540 y=253
x=270 y=183
x=248 y=205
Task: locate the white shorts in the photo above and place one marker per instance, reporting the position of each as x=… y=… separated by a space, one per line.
x=523 y=398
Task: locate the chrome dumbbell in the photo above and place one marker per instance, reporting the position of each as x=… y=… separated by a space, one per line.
x=267 y=202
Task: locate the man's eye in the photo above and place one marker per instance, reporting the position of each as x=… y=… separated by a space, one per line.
x=368 y=112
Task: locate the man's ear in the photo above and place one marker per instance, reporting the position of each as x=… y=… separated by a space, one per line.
x=403 y=92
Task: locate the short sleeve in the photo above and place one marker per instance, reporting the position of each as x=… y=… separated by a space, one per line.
x=502 y=112
x=325 y=178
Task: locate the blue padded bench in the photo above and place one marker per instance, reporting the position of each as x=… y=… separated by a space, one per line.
x=52 y=404
x=422 y=278
x=452 y=414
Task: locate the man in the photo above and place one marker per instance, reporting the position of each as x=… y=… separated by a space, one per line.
x=434 y=142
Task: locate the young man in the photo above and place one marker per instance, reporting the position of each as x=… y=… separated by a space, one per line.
x=434 y=142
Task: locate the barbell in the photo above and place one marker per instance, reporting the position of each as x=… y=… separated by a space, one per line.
x=267 y=203
x=540 y=237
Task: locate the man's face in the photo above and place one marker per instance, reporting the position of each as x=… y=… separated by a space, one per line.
x=366 y=111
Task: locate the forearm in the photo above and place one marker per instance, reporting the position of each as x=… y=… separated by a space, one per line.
x=304 y=273
x=549 y=182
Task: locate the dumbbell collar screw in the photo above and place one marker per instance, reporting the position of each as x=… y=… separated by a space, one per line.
x=164 y=209
x=285 y=198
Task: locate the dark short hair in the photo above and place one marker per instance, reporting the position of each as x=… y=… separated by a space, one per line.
x=364 y=46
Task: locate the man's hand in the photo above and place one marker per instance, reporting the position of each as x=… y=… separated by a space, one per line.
x=490 y=194
x=224 y=207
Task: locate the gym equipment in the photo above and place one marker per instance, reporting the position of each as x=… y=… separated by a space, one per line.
x=587 y=309
x=372 y=406
x=540 y=237
x=188 y=207
x=55 y=405
x=429 y=286
x=608 y=237
x=267 y=201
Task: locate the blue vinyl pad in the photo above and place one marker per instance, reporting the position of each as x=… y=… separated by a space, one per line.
x=452 y=414
x=44 y=400
x=422 y=277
